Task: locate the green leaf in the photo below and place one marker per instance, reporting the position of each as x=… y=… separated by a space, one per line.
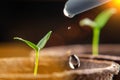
x=44 y=40
x=87 y=22
x=104 y=16
x=32 y=45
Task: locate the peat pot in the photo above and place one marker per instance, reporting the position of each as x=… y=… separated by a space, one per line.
x=106 y=52
x=56 y=68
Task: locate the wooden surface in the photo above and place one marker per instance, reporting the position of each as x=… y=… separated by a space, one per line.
x=14 y=50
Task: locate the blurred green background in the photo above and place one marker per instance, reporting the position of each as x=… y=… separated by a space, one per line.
x=32 y=19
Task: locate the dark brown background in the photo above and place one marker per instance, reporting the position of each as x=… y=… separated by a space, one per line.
x=32 y=19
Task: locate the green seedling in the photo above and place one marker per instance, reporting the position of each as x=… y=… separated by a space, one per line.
x=97 y=25
x=37 y=48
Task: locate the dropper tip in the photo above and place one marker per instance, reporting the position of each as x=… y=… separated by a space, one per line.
x=67 y=14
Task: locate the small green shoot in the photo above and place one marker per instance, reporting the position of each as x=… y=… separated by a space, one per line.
x=97 y=25
x=37 y=48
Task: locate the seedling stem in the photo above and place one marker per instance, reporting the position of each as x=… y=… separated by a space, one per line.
x=96 y=33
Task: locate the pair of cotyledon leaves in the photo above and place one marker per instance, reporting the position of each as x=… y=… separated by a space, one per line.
x=100 y=20
x=39 y=45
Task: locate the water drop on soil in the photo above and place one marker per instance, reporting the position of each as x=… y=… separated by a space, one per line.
x=74 y=61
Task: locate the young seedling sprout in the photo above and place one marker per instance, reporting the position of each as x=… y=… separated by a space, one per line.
x=37 y=48
x=97 y=25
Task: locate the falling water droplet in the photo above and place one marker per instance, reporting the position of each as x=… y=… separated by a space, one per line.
x=74 y=7
x=69 y=27
x=74 y=61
